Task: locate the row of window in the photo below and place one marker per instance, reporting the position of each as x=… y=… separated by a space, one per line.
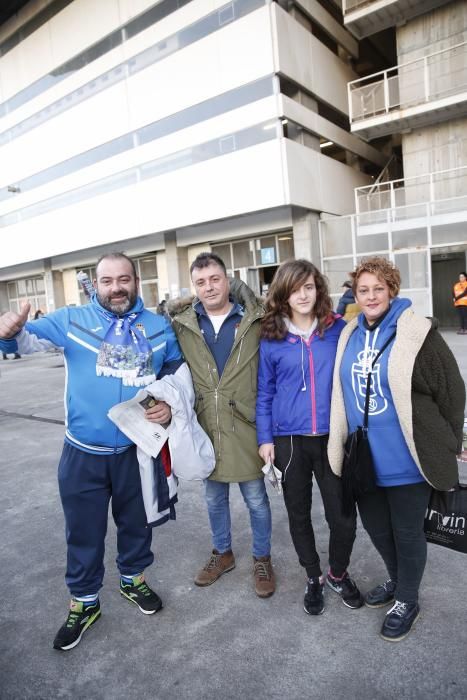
x=181 y=39
x=215 y=106
x=239 y=140
x=84 y=58
x=256 y=252
x=32 y=290
x=268 y=251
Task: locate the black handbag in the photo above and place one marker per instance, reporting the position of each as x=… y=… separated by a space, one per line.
x=446 y=518
x=358 y=472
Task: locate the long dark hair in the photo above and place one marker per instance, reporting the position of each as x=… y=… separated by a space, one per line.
x=288 y=278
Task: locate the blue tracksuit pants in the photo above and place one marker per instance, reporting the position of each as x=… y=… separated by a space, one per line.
x=87 y=482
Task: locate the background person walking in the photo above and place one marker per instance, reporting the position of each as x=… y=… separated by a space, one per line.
x=459 y=298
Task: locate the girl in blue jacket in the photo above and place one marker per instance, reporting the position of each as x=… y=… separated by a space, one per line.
x=297 y=351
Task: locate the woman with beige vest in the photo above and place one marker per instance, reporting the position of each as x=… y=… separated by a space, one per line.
x=415 y=419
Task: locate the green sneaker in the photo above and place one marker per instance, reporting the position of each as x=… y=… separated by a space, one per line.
x=79 y=619
x=139 y=593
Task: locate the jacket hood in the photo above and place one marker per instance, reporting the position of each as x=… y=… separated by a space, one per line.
x=239 y=291
x=397 y=307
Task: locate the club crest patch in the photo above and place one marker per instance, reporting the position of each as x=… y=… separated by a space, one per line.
x=378 y=402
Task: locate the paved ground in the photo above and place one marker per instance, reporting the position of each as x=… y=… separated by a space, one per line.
x=221 y=642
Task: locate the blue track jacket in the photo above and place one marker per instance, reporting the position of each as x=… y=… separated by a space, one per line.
x=295 y=384
x=80 y=331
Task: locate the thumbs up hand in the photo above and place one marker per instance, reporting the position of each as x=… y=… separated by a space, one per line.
x=12 y=322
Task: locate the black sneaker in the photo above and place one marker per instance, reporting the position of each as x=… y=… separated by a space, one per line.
x=347 y=589
x=399 y=620
x=139 y=593
x=381 y=595
x=79 y=619
x=313 y=603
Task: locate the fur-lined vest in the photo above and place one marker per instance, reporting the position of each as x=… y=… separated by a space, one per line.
x=428 y=394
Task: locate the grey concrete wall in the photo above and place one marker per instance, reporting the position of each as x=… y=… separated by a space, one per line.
x=444 y=145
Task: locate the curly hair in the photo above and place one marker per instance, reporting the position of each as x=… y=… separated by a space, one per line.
x=289 y=277
x=383 y=269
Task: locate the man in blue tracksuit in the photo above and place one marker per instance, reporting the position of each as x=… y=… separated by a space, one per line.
x=112 y=347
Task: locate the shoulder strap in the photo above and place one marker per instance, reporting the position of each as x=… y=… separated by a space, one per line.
x=368 y=380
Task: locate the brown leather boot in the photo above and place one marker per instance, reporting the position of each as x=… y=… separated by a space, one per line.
x=265 y=580
x=217 y=565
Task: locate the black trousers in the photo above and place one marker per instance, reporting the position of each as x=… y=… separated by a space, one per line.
x=394 y=517
x=462 y=312
x=300 y=457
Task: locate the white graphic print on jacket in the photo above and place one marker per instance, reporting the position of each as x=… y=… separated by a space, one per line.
x=378 y=402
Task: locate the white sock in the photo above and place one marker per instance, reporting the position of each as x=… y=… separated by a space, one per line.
x=86 y=598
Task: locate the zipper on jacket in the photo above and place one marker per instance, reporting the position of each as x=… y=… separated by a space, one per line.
x=232 y=406
x=117 y=430
x=217 y=420
x=312 y=392
x=240 y=348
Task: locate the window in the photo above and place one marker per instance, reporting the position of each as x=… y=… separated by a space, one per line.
x=147 y=272
x=32 y=290
x=267 y=251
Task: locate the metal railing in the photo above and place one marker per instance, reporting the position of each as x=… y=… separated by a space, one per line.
x=419 y=189
x=422 y=80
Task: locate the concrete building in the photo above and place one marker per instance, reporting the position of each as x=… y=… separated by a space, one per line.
x=165 y=128
x=416 y=109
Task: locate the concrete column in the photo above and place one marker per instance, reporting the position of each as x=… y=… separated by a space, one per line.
x=58 y=288
x=306 y=235
x=49 y=285
x=177 y=266
x=351 y=159
x=70 y=288
x=4 y=305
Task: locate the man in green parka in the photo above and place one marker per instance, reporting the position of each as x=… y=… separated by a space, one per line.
x=218 y=331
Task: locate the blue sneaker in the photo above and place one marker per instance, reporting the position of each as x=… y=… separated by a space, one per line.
x=399 y=621
x=381 y=595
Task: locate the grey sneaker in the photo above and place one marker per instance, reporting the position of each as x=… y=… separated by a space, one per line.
x=347 y=589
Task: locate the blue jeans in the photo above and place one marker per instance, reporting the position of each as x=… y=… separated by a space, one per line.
x=257 y=501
